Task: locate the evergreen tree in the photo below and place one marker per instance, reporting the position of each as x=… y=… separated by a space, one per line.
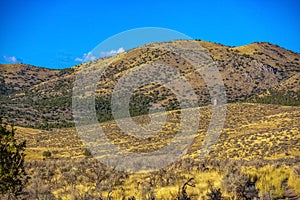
x=12 y=172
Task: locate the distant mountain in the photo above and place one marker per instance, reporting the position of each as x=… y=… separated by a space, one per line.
x=42 y=98
x=18 y=77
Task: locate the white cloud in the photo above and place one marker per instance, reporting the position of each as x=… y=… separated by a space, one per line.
x=12 y=59
x=112 y=52
x=86 y=57
x=90 y=56
x=78 y=59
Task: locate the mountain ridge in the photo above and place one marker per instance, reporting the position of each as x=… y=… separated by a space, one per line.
x=247 y=71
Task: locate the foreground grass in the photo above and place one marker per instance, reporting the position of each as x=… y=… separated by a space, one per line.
x=262 y=139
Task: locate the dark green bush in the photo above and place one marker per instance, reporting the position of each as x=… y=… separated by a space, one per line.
x=47 y=154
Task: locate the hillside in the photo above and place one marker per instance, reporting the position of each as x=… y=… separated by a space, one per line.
x=257 y=152
x=260 y=140
x=252 y=131
x=19 y=77
x=286 y=93
x=44 y=101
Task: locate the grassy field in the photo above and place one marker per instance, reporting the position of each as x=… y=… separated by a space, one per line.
x=262 y=141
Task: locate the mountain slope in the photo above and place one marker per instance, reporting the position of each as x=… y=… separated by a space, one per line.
x=286 y=93
x=247 y=72
x=18 y=77
x=251 y=131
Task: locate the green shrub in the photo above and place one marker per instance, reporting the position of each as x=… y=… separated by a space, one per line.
x=47 y=154
x=86 y=152
x=12 y=171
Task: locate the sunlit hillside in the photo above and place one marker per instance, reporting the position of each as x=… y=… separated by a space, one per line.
x=257 y=154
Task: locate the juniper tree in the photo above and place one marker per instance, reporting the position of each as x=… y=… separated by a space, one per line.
x=12 y=172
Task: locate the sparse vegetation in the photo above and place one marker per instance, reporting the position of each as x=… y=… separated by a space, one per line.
x=287 y=98
x=214 y=193
x=255 y=156
x=240 y=144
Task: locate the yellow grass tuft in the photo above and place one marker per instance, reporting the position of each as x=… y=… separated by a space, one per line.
x=270 y=179
x=247 y=49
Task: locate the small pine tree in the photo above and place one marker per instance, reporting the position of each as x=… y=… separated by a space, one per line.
x=12 y=171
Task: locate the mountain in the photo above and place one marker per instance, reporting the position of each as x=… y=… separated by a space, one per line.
x=41 y=98
x=19 y=77
x=19 y=102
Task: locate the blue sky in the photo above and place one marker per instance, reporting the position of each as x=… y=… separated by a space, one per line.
x=59 y=34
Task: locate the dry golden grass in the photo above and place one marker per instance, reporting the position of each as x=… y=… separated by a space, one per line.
x=294 y=179
x=62 y=143
x=248 y=49
x=270 y=178
x=253 y=132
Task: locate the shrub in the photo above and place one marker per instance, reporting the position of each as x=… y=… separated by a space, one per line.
x=214 y=193
x=234 y=182
x=47 y=154
x=86 y=152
